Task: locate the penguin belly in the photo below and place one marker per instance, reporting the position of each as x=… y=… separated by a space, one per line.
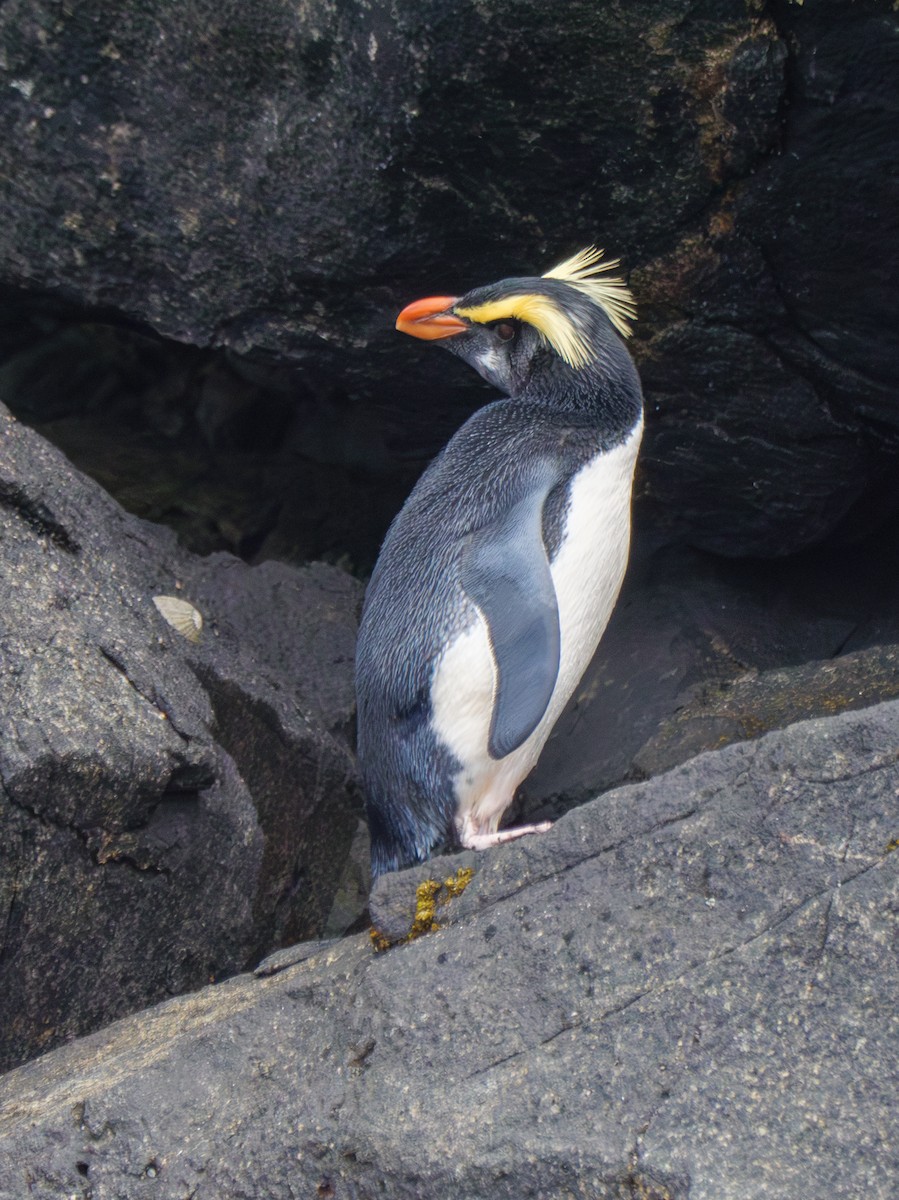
x=587 y=572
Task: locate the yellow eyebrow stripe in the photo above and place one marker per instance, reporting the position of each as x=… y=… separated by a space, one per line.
x=544 y=314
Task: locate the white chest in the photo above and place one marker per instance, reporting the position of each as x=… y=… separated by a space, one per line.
x=589 y=567
x=587 y=573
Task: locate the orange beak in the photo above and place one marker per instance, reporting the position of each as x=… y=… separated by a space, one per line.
x=429 y=319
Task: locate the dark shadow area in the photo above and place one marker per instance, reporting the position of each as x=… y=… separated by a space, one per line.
x=257 y=456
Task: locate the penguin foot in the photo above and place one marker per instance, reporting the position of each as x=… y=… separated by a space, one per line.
x=482 y=841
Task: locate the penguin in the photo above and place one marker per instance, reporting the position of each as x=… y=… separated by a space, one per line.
x=495 y=582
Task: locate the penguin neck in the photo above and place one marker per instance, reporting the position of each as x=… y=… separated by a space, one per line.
x=606 y=392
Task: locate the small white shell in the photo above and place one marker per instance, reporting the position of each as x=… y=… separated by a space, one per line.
x=183 y=617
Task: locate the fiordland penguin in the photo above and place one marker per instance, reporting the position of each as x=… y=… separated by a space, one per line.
x=496 y=580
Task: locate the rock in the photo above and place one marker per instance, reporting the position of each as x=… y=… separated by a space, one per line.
x=322 y=152
x=702 y=651
x=168 y=809
x=330 y=163
x=753 y=704
x=775 y=333
x=771 y=472
x=288 y=120
x=683 y=991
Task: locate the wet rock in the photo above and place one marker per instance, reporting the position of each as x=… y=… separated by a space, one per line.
x=770 y=367
x=168 y=808
x=684 y=991
x=324 y=152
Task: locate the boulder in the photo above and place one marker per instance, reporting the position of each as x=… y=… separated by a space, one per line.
x=324 y=154
x=683 y=991
x=720 y=713
x=702 y=651
x=329 y=163
x=773 y=427
x=168 y=808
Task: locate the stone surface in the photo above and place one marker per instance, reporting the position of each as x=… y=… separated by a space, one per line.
x=683 y=991
x=329 y=163
x=719 y=714
x=701 y=651
x=770 y=366
x=168 y=810
x=322 y=150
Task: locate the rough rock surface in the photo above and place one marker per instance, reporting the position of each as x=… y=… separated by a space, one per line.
x=753 y=704
x=166 y=809
x=702 y=651
x=684 y=991
x=330 y=161
x=779 y=310
x=323 y=149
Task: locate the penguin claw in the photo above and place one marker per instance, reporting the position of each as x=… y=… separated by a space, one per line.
x=483 y=841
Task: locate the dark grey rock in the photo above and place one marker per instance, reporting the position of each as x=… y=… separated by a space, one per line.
x=701 y=651
x=322 y=152
x=720 y=713
x=771 y=354
x=683 y=991
x=169 y=811
x=330 y=162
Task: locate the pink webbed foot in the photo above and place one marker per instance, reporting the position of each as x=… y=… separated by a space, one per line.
x=472 y=840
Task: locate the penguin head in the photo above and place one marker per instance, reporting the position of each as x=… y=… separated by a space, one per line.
x=515 y=330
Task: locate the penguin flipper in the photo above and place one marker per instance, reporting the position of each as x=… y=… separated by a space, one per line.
x=505 y=573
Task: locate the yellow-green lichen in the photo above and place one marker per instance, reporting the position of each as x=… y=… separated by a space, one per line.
x=425 y=909
x=456 y=884
x=379 y=941
x=430 y=895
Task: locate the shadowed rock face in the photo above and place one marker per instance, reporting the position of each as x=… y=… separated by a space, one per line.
x=278 y=180
x=321 y=150
x=684 y=991
x=166 y=809
x=785 y=310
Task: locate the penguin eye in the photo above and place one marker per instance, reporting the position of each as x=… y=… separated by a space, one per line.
x=505 y=331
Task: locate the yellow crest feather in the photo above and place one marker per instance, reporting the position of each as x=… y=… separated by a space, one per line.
x=611 y=293
x=558 y=327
